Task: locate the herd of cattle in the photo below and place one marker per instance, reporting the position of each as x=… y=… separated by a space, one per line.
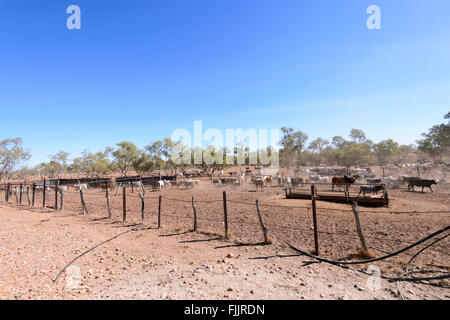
x=342 y=179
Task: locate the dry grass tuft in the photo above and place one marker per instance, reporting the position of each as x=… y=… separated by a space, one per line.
x=366 y=254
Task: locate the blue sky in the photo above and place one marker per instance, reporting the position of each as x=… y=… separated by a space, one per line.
x=138 y=70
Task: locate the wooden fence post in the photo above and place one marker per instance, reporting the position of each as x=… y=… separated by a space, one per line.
x=56 y=194
x=358 y=227
x=159 y=213
x=8 y=186
x=61 y=207
x=83 y=203
x=28 y=195
x=16 y=195
x=34 y=193
x=195 y=214
x=225 y=214
x=124 y=205
x=142 y=206
x=316 y=239
x=264 y=229
x=43 y=194
x=20 y=195
x=108 y=203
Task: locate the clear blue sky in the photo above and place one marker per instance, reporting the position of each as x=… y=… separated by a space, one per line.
x=137 y=70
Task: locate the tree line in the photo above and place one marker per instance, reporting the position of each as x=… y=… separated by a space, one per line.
x=294 y=151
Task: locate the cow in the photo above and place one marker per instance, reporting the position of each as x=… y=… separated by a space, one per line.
x=268 y=180
x=373 y=181
x=345 y=181
x=187 y=183
x=296 y=181
x=374 y=189
x=393 y=182
x=318 y=179
x=160 y=184
x=259 y=183
x=424 y=183
x=81 y=186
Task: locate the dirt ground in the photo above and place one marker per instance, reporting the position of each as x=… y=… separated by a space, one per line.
x=175 y=263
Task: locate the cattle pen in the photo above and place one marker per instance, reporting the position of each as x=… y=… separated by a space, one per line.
x=239 y=216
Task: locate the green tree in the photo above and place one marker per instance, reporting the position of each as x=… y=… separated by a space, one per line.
x=385 y=151
x=125 y=156
x=436 y=142
x=12 y=155
x=292 y=144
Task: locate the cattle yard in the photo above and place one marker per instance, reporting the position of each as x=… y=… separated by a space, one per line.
x=240 y=215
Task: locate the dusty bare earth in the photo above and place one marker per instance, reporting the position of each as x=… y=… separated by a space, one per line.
x=175 y=263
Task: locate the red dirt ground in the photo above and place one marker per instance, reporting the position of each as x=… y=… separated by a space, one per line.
x=42 y=243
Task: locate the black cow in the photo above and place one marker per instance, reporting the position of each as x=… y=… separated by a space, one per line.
x=420 y=183
x=374 y=189
x=373 y=181
x=296 y=181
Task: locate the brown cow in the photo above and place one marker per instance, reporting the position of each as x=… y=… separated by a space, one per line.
x=345 y=181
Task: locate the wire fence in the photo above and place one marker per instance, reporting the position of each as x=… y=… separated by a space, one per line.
x=285 y=223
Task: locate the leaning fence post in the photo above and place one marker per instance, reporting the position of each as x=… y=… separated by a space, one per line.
x=159 y=213
x=225 y=214
x=108 y=203
x=264 y=229
x=316 y=239
x=195 y=214
x=142 y=206
x=83 y=203
x=358 y=227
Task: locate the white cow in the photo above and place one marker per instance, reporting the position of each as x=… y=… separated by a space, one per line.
x=81 y=186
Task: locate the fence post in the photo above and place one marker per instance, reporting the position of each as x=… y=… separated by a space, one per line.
x=28 y=195
x=83 y=203
x=62 y=200
x=195 y=214
x=20 y=195
x=124 y=205
x=159 y=213
x=108 y=203
x=56 y=194
x=43 y=194
x=316 y=240
x=15 y=195
x=8 y=186
x=143 y=206
x=358 y=226
x=225 y=214
x=264 y=229
x=34 y=192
